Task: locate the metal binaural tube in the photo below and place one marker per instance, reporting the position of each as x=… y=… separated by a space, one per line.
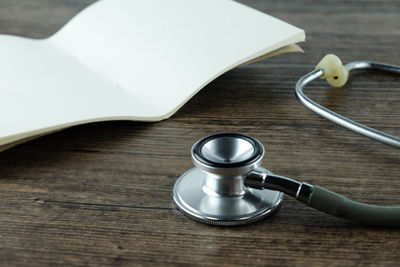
x=339 y=119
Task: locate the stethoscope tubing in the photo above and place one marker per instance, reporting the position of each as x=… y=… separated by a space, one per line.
x=325 y=200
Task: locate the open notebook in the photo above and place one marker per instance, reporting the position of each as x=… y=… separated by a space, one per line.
x=128 y=60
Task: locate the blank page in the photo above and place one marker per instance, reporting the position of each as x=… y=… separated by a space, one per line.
x=128 y=60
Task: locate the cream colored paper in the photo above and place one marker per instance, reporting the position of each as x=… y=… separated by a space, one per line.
x=128 y=60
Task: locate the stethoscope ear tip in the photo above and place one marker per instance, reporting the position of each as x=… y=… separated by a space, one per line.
x=335 y=73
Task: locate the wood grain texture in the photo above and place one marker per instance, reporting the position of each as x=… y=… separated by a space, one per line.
x=100 y=194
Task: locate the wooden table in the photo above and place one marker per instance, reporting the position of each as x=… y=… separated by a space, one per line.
x=101 y=193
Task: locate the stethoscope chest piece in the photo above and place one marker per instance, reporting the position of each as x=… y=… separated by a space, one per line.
x=214 y=191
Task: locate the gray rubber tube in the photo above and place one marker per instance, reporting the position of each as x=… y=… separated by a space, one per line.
x=340 y=206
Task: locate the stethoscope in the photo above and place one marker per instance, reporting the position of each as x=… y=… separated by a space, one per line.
x=228 y=186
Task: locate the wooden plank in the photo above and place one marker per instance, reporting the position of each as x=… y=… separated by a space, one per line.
x=100 y=194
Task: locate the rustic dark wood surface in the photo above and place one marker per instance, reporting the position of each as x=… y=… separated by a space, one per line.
x=100 y=194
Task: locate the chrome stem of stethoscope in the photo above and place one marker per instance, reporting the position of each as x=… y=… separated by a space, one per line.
x=262 y=179
x=341 y=120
